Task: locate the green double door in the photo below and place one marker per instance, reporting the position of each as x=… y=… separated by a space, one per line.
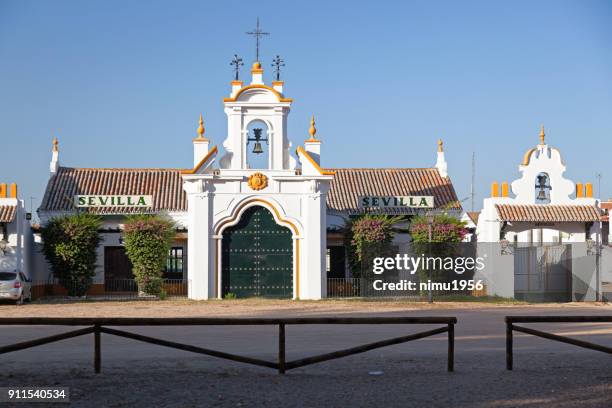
x=257 y=257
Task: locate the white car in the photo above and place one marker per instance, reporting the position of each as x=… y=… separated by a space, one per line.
x=15 y=286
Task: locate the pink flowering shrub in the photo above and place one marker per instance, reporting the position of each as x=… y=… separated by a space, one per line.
x=369 y=235
x=444 y=229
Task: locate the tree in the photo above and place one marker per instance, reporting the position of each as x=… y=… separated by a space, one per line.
x=438 y=237
x=69 y=245
x=148 y=238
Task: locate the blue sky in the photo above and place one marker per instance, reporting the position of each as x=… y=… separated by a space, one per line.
x=122 y=83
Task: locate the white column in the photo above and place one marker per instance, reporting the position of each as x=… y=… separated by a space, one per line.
x=215 y=267
x=233 y=142
x=313 y=277
x=199 y=244
x=277 y=144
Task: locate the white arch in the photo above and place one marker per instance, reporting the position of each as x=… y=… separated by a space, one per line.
x=280 y=217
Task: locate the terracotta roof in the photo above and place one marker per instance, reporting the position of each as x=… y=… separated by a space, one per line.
x=474 y=216
x=7 y=213
x=165 y=185
x=349 y=184
x=547 y=213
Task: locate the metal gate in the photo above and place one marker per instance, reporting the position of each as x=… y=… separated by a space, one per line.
x=257 y=257
x=543 y=273
x=118 y=275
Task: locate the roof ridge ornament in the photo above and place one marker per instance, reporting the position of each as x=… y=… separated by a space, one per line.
x=277 y=63
x=542 y=135
x=54 y=164
x=201 y=129
x=237 y=63
x=440 y=145
x=312 y=130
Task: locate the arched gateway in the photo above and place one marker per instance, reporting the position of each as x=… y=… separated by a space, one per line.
x=277 y=246
x=257 y=257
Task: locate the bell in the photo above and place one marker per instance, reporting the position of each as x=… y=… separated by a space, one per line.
x=542 y=195
x=257 y=149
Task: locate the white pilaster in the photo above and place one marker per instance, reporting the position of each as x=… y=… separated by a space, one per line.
x=199 y=246
x=313 y=147
x=313 y=281
x=200 y=149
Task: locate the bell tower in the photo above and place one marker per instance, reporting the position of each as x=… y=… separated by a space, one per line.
x=255 y=184
x=261 y=103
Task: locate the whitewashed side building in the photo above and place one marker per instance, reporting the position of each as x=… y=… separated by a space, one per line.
x=15 y=233
x=541 y=232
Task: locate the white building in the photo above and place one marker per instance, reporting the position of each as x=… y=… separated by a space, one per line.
x=228 y=197
x=15 y=232
x=526 y=229
x=254 y=215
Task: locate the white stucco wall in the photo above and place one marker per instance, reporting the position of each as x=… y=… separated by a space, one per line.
x=500 y=269
x=19 y=236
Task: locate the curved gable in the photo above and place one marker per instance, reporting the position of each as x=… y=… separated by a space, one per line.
x=257 y=93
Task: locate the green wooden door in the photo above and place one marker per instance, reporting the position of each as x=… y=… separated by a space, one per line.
x=257 y=257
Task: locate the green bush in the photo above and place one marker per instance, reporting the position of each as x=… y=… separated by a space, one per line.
x=148 y=239
x=69 y=245
x=369 y=236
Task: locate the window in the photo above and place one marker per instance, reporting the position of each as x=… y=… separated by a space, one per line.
x=174 y=264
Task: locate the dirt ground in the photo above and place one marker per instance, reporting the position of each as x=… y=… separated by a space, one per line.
x=136 y=374
x=256 y=308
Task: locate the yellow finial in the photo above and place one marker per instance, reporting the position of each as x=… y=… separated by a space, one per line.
x=201 y=128
x=313 y=129
x=440 y=145
x=256 y=68
x=55 y=144
x=542 y=135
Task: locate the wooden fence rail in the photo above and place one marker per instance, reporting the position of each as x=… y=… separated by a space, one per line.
x=512 y=327
x=98 y=325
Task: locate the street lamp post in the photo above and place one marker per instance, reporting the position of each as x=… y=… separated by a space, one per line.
x=430 y=221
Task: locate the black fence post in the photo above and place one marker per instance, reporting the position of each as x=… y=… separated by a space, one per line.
x=451 y=347
x=281 y=348
x=97 y=349
x=509 y=328
x=98 y=325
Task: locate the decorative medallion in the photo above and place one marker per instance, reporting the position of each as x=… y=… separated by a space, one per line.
x=258 y=181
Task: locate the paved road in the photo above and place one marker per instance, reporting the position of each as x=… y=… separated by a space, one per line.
x=413 y=375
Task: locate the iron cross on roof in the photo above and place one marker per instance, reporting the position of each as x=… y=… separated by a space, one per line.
x=237 y=63
x=257 y=34
x=277 y=63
